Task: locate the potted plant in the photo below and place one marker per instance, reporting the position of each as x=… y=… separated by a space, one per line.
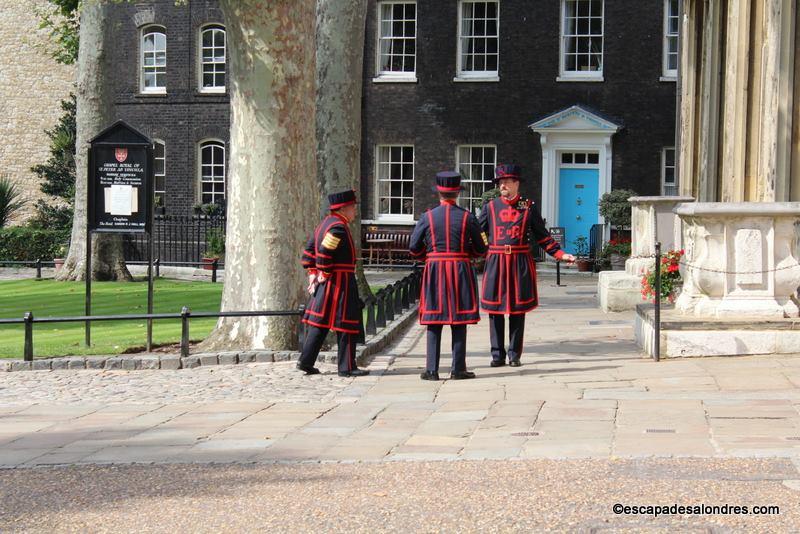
x=158 y=205
x=671 y=281
x=215 y=247
x=583 y=262
x=617 y=251
x=615 y=208
x=61 y=253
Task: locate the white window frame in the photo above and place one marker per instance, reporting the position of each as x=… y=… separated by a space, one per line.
x=667 y=73
x=475 y=76
x=464 y=197
x=393 y=217
x=148 y=30
x=394 y=76
x=201 y=63
x=157 y=175
x=565 y=75
x=664 y=171
x=200 y=146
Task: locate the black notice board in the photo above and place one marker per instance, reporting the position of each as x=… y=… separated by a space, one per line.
x=558 y=234
x=120 y=181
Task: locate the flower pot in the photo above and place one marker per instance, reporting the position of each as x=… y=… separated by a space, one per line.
x=584 y=265
x=208 y=263
x=617 y=262
x=59 y=262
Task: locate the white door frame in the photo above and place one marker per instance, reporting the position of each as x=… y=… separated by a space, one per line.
x=572 y=130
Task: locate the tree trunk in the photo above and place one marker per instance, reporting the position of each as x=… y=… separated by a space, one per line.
x=272 y=182
x=340 y=60
x=95 y=112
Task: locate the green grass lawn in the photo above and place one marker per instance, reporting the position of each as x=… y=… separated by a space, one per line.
x=48 y=298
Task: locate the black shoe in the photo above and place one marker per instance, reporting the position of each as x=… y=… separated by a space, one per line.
x=497 y=363
x=462 y=375
x=515 y=363
x=354 y=372
x=429 y=375
x=308 y=370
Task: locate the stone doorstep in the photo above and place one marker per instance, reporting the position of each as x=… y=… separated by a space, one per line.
x=374 y=345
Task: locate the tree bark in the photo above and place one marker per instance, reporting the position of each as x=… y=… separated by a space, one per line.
x=94 y=112
x=272 y=183
x=340 y=60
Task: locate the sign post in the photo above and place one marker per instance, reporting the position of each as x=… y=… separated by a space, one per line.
x=559 y=236
x=120 y=198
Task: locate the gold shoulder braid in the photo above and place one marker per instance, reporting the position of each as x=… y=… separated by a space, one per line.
x=330 y=241
x=523 y=204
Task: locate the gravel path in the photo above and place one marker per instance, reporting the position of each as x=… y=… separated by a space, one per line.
x=523 y=496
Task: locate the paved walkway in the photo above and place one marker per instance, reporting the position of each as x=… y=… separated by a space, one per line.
x=585 y=424
x=584 y=391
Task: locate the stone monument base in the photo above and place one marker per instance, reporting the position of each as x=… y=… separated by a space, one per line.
x=685 y=336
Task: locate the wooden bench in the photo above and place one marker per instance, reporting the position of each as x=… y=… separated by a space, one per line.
x=385 y=246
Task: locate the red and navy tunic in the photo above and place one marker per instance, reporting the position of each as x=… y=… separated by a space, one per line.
x=335 y=304
x=446 y=237
x=509 y=279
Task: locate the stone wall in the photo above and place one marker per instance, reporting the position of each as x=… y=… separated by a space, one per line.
x=32 y=86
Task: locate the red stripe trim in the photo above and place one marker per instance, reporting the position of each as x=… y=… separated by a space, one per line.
x=448 y=255
x=513 y=248
x=341 y=205
x=448 y=189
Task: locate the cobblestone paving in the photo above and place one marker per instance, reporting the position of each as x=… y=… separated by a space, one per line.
x=256 y=381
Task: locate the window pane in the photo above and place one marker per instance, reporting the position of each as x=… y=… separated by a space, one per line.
x=397 y=31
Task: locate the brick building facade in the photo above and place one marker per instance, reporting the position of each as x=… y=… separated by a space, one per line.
x=173 y=108
x=581 y=93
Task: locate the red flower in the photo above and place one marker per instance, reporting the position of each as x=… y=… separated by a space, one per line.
x=672 y=268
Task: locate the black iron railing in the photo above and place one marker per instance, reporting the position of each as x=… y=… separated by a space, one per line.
x=380 y=309
x=176 y=238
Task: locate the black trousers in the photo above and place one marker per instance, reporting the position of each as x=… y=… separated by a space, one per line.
x=315 y=336
x=516 y=331
x=459 y=333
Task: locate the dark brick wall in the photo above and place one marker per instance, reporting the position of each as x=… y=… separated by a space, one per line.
x=183 y=117
x=436 y=114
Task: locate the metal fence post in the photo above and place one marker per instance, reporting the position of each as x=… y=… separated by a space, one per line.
x=657 y=319
x=214 y=266
x=398 y=297
x=406 y=289
x=28 y=351
x=389 y=302
x=185 y=313
x=370 y=326
x=380 y=314
x=38 y=268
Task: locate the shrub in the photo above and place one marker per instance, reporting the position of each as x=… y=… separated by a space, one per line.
x=215 y=243
x=621 y=246
x=29 y=244
x=11 y=200
x=615 y=208
x=670 y=275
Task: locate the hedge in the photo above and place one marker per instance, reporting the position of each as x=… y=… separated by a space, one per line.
x=20 y=243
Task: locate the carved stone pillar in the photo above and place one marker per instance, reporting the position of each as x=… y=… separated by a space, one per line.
x=741 y=259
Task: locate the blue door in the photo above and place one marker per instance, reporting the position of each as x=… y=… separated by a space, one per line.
x=577 y=204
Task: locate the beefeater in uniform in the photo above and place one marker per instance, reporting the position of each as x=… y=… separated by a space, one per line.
x=509 y=279
x=330 y=259
x=446 y=237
